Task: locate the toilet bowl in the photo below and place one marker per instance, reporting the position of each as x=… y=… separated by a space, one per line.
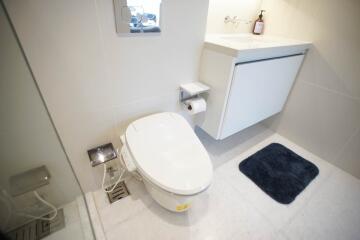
x=173 y=164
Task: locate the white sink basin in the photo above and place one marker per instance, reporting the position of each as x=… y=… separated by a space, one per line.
x=249 y=47
x=245 y=38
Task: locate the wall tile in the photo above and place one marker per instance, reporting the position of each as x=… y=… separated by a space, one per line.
x=322 y=122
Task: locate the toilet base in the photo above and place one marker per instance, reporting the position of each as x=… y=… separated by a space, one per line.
x=170 y=201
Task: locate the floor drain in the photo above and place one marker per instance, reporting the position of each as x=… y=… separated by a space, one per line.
x=38 y=229
x=118 y=193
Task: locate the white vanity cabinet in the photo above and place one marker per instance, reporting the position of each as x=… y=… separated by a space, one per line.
x=244 y=93
x=258 y=90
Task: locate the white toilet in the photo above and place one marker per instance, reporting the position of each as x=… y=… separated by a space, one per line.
x=171 y=160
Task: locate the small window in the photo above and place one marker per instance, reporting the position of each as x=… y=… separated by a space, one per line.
x=137 y=16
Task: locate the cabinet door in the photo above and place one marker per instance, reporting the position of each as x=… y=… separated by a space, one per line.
x=258 y=90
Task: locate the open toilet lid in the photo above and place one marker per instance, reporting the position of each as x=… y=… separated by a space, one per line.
x=166 y=150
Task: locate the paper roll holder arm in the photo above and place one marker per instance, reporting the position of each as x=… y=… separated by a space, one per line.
x=191 y=90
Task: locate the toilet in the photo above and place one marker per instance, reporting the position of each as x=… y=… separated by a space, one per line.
x=173 y=164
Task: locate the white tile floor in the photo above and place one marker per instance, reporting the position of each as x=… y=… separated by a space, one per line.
x=235 y=208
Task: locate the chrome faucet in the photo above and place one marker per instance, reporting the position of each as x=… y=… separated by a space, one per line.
x=235 y=20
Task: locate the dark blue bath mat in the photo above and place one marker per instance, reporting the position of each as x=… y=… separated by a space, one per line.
x=279 y=172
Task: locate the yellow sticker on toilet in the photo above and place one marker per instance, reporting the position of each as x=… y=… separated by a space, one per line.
x=182 y=207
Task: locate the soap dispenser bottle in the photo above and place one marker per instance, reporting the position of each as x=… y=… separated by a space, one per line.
x=259 y=24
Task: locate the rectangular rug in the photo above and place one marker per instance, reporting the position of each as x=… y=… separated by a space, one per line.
x=279 y=172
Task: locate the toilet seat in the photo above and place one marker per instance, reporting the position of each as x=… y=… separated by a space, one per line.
x=166 y=151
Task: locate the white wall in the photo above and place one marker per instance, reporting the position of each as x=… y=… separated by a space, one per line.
x=323 y=111
x=27 y=138
x=95 y=82
x=244 y=9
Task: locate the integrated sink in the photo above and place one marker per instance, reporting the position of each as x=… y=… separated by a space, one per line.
x=246 y=39
x=249 y=47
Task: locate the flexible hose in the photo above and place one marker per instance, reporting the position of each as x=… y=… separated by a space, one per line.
x=117 y=181
x=54 y=209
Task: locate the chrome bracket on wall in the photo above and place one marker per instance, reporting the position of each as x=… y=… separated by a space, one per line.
x=192 y=90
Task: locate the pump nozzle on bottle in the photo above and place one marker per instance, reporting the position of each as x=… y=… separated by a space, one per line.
x=259 y=24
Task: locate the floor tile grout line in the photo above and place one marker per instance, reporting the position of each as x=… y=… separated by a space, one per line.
x=137 y=213
x=98 y=215
x=307 y=202
x=231 y=185
x=131 y=217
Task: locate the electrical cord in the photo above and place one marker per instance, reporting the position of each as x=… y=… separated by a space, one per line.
x=20 y=213
x=117 y=181
x=54 y=209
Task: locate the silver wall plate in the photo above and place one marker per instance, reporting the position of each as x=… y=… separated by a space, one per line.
x=29 y=180
x=102 y=154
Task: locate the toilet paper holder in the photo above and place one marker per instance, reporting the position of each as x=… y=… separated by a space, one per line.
x=192 y=90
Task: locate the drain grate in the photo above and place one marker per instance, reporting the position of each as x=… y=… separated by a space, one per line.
x=118 y=193
x=38 y=229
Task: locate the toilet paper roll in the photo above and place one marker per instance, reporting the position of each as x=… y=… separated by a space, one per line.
x=195 y=105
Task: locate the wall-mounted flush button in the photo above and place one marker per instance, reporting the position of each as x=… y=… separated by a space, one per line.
x=102 y=154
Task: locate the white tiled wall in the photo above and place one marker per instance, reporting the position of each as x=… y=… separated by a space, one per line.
x=323 y=111
x=95 y=82
x=245 y=10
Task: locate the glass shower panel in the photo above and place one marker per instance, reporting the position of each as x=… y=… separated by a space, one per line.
x=40 y=196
